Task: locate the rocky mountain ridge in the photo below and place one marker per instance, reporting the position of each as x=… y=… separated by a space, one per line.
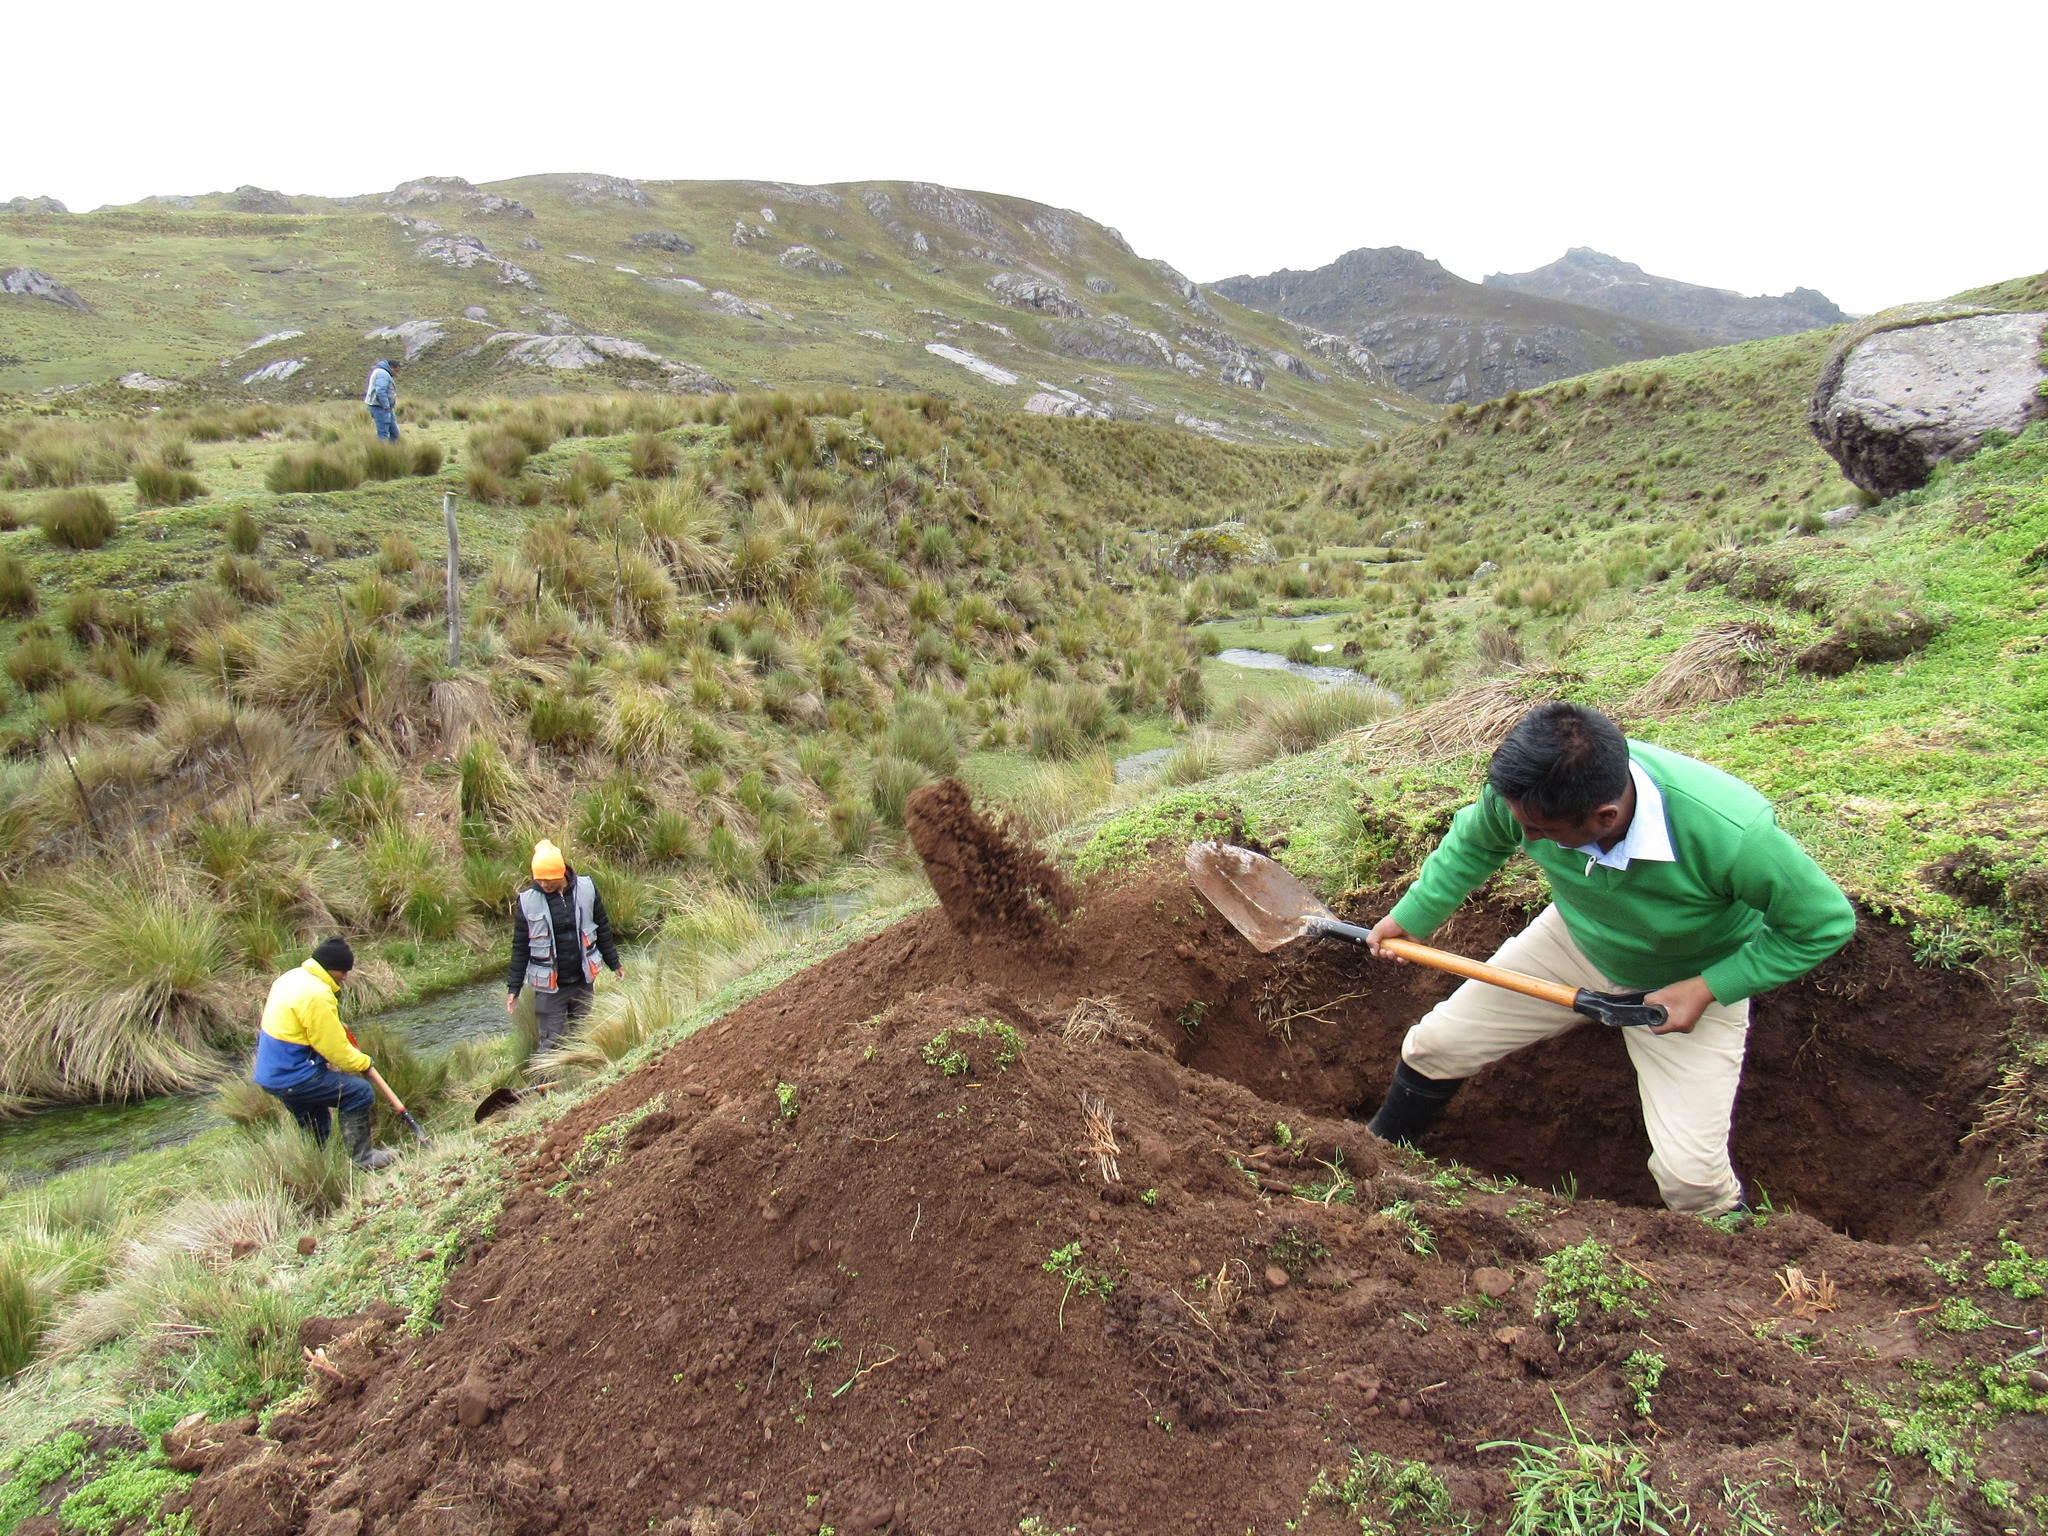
x=1446 y=339
x=1599 y=281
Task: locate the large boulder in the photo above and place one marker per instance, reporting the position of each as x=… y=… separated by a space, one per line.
x=1918 y=386
x=28 y=283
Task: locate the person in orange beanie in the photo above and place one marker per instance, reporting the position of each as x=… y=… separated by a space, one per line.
x=559 y=932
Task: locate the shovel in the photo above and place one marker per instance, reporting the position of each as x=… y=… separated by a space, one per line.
x=498 y=1100
x=1271 y=907
x=399 y=1109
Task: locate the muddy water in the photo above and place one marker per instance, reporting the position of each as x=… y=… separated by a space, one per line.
x=53 y=1141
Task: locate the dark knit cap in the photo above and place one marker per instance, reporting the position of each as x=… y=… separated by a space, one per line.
x=334 y=955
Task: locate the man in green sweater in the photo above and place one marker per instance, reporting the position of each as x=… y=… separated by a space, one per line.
x=1666 y=875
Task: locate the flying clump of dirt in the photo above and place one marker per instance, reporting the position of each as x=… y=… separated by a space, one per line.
x=988 y=884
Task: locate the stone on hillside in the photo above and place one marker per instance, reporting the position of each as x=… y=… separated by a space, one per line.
x=33 y=205
x=248 y=199
x=1051 y=400
x=1236 y=362
x=662 y=240
x=883 y=206
x=277 y=372
x=607 y=189
x=268 y=341
x=1021 y=292
x=454 y=190
x=992 y=257
x=467 y=251
x=979 y=366
x=1345 y=355
x=1116 y=238
x=796 y=192
x=1099 y=341
x=1206 y=551
x=944 y=205
x=745 y=234
x=1287 y=362
x=476 y=312
x=28 y=283
x=415 y=336
x=1189 y=293
x=146 y=383
x=1919 y=386
x=173 y=200
x=732 y=304
x=1060 y=231
x=1101 y=285
x=801 y=258
x=1841 y=517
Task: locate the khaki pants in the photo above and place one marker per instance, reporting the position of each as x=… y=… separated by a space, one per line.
x=1687 y=1081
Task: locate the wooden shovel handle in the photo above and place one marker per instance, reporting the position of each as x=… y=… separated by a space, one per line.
x=1479 y=970
x=385 y=1088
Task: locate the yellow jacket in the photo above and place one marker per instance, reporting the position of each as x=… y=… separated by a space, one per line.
x=302 y=1023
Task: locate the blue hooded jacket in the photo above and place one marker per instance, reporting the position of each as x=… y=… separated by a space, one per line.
x=380 y=395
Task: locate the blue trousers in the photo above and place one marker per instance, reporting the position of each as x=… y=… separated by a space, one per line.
x=310 y=1102
x=387 y=424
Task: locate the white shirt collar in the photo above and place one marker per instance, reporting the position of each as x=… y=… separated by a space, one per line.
x=1648 y=835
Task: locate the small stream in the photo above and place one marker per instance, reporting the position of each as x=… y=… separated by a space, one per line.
x=1322 y=677
x=53 y=1141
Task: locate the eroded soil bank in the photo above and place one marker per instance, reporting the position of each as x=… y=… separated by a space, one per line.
x=990 y=1217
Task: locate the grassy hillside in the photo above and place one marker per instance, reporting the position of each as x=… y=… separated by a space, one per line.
x=707 y=284
x=708 y=642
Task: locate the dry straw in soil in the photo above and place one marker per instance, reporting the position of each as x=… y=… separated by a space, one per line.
x=1474 y=719
x=1717 y=664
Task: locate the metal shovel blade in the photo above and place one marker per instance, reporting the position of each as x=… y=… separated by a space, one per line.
x=1256 y=896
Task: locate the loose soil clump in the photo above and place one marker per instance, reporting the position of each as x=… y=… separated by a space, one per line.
x=987 y=884
x=1071 y=1229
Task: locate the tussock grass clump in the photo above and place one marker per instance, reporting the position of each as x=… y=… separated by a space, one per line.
x=160 y=484
x=561 y=724
x=122 y=985
x=243 y=577
x=336 y=677
x=77 y=520
x=397 y=555
x=654 y=458
x=487 y=786
x=239 y=1100
x=1297 y=721
x=1054 y=796
x=39 y=661
x=325 y=467
x=18 y=598
x=243 y=533
x=407 y=883
x=1063 y=721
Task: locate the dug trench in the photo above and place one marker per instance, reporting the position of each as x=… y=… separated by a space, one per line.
x=1054 y=1208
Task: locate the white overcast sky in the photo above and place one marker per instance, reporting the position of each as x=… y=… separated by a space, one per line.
x=1877 y=151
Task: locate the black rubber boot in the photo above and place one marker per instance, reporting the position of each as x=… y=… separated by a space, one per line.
x=355 y=1135
x=1413 y=1102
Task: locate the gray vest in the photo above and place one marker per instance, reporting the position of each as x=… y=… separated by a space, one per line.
x=541 y=965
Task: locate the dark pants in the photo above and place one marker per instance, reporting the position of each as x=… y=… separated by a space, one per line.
x=555 y=1012
x=387 y=424
x=310 y=1102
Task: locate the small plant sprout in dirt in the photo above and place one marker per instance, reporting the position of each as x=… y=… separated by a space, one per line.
x=1331 y=1187
x=605 y=1147
x=1586 y=1276
x=1065 y=1262
x=2018 y=1272
x=977 y=1045
x=1642 y=1371
x=786 y=1102
x=1388 y=1497
x=1581 y=1485
x=1406 y=1219
x=1295 y=1247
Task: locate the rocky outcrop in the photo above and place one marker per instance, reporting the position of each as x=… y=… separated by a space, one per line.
x=1100 y=285
x=795 y=192
x=745 y=234
x=1051 y=400
x=147 y=384
x=413 y=336
x=1915 y=387
x=33 y=205
x=467 y=251
x=1436 y=335
x=1022 y=292
x=1235 y=362
x=979 y=366
x=277 y=372
x=607 y=189
x=28 y=283
x=883 y=207
x=1179 y=283
x=1059 y=229
x=454 y=191
x=944 y=205
x=248 y=199
x=802 y=258
x=1205 y=551
x=732 y=304
x=1592 y=278
x=581 y=352
x=662 y=240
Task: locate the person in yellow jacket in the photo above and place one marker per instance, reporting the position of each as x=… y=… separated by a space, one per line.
x=307 y=1060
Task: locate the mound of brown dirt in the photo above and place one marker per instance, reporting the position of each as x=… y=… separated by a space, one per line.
x=897 y=1247
x=987 y=885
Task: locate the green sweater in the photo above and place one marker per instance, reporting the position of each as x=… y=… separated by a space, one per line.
x=1742 y=905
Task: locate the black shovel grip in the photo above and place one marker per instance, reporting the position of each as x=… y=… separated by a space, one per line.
x=1623 y=1010
x=1331 y=928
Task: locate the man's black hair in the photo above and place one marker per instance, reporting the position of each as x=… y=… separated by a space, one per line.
x=1563 y=761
